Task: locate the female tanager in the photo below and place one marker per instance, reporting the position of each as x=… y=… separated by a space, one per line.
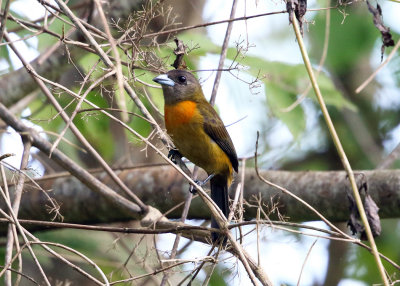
x=199 y=134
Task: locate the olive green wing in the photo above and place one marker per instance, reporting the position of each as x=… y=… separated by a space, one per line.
x=215 y=128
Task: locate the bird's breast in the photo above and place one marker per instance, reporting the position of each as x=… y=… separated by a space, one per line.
x=179 y=114
x=184 y=124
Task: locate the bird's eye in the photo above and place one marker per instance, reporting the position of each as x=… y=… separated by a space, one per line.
x=182 y=79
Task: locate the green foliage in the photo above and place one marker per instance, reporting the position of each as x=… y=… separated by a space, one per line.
x=352 y=36
x=44 y=115
x=5 y=55
x=219 y=276
x=57 y=26
x=283 y=82
x=12 y=27
x=95 y=126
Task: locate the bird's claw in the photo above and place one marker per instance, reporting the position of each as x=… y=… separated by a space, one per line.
x=174 y=155
x=192 y=190
x=200 y=183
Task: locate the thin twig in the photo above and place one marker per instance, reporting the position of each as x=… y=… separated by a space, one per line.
x=236 y=199
x=340 y=150
x=241 y=199
x=9 y=262
x=320 y=64
x=78 y=269
x=118 y=67
x=305 y=261
x=75 y=130
x=78 y=106
x=20 y=229
x=213 y=265
x=80 y=173
x=372 y=76
x=151 y=35
x=73 y=266
x=107 y=61
x=22 y=275
x=84 y=257
x=4 y=19
x=17 y=200
x=250 y=268
x=286 y=191
x=224 y=50
x=258 y=237
x=197 y=270
x=151 y=274
x=185 y=212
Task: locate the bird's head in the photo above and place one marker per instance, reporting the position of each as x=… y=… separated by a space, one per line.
x=179 y=85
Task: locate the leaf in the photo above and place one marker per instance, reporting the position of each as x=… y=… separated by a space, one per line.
x=331 y=95
x=278 y=99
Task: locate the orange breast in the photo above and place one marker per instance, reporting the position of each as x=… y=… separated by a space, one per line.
x=184 y=124
x=178 y=114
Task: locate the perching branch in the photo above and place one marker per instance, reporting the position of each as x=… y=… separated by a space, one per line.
x=324 y=190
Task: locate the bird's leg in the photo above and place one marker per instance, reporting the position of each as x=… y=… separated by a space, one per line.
x=176 y=157
x=201 y=183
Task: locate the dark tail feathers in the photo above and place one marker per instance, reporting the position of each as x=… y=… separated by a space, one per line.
x=219 y=194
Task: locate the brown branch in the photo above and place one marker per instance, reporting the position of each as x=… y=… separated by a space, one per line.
x=184 y=215
x=16 y=203
x=326 y=191
x=176 y=30
x=80 y=173
x=75 y=130
x=173 y=227
x=4 y=19
x=224 y=51
x=107 y=61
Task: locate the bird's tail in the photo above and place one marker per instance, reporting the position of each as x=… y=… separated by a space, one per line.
x=219 y=194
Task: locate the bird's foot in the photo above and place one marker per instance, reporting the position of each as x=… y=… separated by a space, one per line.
x=174 y=155
x=201 y=183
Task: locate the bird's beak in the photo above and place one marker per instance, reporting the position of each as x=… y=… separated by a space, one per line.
x=163 y=79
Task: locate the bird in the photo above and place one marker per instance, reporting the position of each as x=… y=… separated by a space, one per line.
x=199 y=134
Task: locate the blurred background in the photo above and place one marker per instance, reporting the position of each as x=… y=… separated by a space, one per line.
x=264 y=78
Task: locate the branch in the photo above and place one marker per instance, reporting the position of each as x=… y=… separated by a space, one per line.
x=224 y=51
x=340 y=150
x=84 y=176
x=164 y=189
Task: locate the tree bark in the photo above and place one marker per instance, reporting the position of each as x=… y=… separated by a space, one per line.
x=164 y=188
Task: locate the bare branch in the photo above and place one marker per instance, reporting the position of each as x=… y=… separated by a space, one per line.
x=224 y=51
